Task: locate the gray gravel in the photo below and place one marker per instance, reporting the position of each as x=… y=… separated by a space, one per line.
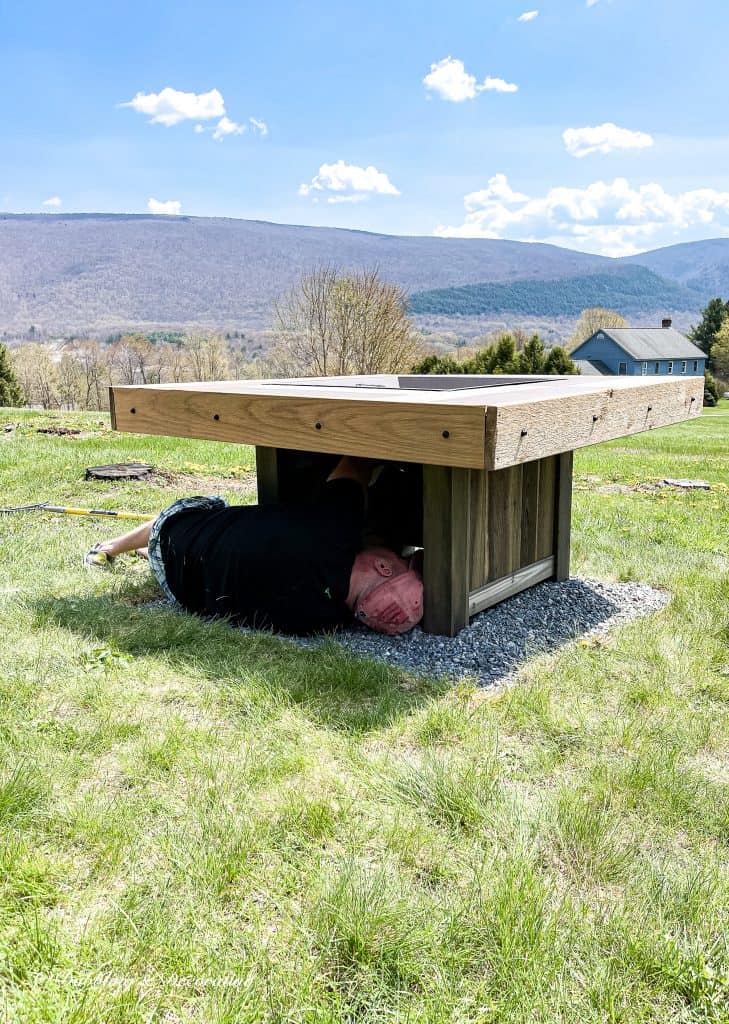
x=496 y=643
x=498 y=640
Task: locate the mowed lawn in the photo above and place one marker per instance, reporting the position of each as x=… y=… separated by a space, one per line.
x=202 y=825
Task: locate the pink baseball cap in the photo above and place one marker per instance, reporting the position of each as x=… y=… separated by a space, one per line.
x=395 y=603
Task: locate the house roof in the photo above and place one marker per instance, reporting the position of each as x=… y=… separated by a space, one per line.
x=650 y=342
x=592 y=367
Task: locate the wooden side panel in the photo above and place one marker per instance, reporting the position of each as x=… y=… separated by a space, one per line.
x=522 y=431
x=436 y=434
x=505 y=491
x=547 y=499
x=479 y=528
x=563 y=526
x=267 y=475
x=529 y=512
x=446 y=543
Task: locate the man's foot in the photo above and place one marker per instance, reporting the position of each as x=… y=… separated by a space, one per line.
x=97 y=558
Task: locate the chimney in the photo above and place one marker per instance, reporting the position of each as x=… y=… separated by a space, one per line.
x=666 y=322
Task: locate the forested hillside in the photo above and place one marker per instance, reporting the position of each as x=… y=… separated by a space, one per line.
x=630 y=290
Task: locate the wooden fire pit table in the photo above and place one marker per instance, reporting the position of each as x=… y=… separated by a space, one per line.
x=495 y=451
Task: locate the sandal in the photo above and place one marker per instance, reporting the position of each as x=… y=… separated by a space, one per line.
x=95 y=558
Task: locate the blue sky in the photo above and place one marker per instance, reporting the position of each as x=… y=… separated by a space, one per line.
x=396 y=117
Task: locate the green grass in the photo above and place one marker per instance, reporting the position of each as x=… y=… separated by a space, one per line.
x=199 y=825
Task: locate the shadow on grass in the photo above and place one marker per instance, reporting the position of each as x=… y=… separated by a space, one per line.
x=256 y=669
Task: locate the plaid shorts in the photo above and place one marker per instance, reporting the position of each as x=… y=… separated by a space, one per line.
x=209 y=502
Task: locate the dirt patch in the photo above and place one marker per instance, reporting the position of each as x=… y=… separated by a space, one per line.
x=194 y=484
x=682 y=486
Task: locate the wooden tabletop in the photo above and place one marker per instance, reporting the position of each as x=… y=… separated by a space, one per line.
x=492 y=425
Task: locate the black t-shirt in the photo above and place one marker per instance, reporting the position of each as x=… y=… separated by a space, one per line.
x=285 y=566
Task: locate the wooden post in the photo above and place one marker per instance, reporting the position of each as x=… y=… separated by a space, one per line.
x=563 y=518
x=267 y=475
x=446 y=540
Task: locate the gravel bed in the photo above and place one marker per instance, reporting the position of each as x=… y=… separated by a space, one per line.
x=498 y=640
x=493 y=647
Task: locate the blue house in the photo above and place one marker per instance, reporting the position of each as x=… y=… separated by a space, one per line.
x=639 y=351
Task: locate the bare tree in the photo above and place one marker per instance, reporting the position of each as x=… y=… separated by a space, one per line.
x=37 y=373
x=93 y=365
x=69 y=381
x=174 y=363
x=208 y=356
x=136 y=360
x=332 y=323
x=592 y=320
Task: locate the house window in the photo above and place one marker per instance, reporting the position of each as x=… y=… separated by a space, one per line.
x=644 y=369
x=696 y=366
x=670 y=366
x=683 y=366
x=656 y=367
x=622 y=369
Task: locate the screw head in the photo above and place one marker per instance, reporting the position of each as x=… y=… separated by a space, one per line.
x=446 y=434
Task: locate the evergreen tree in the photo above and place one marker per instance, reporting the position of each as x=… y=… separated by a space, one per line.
x=559 y=362
x=438 y=364
x=704 y=334
x=11 y=392
x=532 y=358
x=720 y=350
x=503 y=358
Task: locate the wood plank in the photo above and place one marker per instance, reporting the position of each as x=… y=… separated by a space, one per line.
x=520 y=432
x=563 y=525
x=406 y=431
x=529 y=512
x=446 y=536
x=267 y=475
x=547 y=506
x=504 y=522
x=479 y=528
x=507 y=586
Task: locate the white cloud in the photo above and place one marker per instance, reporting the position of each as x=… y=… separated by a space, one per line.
x=497 y=85
x=259 y=126
x=603 y=138
x=450 y=80
x=227 y=127
x=199 y=129
x=528 y=16
x=170 y=106
x=349 y=181
x=355 y=197
x=53 y=201
x=613 y=218
x=591 y=3
x=170 y=206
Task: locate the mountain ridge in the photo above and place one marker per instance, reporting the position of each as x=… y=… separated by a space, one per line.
x=99 y=272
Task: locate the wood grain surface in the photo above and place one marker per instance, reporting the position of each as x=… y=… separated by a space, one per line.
x=446 y=544
x=445 y=435
x=520 y=432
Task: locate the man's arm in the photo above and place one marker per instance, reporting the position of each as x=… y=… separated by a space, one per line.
x=351 y=468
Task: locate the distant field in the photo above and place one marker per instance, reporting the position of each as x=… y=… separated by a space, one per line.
x=201 y=825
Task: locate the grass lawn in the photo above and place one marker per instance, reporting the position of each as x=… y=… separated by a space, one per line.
x=199 y=825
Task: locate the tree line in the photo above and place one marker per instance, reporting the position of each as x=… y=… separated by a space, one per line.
x=78 y=374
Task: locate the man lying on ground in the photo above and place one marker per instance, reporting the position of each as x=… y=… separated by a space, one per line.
x=294 y=568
